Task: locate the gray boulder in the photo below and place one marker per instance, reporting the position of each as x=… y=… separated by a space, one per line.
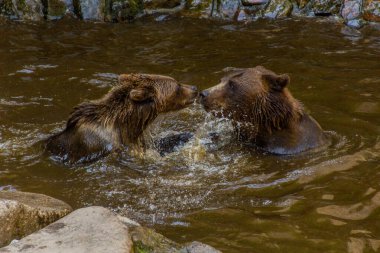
x=23 y=213
x=98 y=230
x=92 y=229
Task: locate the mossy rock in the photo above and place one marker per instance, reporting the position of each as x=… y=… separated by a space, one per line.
x=146 y=240
x=278 y=9
x=55 y=9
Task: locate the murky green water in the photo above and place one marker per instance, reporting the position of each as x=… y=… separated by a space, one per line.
x=219 y=193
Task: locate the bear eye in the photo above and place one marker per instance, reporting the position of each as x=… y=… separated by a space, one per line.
x=232 y=84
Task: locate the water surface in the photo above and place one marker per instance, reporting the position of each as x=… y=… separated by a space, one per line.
x=223 y=194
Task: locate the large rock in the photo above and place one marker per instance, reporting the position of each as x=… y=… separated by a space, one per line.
x=372 y=10
x=22 y=9
x=98 y=230
x=23 y=213
x=351 y=9
x=92 y=229
x=352 y=13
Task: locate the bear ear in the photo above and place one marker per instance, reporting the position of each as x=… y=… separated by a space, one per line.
x=276 y=82
x=140 y=94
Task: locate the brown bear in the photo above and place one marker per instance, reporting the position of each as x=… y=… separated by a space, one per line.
x=264 y=111
x=118 y=119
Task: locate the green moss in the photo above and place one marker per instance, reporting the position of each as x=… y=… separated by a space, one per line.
x=21 y=5
x=56 y=8
x=139 y=247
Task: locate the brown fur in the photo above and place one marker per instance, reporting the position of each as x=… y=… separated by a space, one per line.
x=97 y=127
x=264 y=110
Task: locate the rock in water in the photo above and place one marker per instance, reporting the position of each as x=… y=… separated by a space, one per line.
x=91 y=229
x=98 y=230
x=22 y=213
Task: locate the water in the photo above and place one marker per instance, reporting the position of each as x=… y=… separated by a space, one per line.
x=217 y=192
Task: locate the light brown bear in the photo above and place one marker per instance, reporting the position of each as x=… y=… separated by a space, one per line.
x=96 y=128
x=264 y=111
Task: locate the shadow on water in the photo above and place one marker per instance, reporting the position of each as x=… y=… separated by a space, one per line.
x=213 y=190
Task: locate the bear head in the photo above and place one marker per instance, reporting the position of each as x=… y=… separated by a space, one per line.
x=255 y=97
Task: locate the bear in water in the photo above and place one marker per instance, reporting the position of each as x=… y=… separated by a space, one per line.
x=96 y=128
x=263 y=111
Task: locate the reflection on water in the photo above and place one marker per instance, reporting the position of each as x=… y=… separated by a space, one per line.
x=212 y=189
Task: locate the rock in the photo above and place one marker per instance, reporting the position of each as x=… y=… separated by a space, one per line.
x=242 y=16
x=147 y=240
x=31 y=10
x=98 y=230
x=23 y=213
x=278 y=9
x=57 y=9
x=92 y=229
x=355 y=23
x=90 y=9
x=326 y=7
x=302 y=3
x=198 y=247
x=123 y=10
x=228 y=9
x=372 y=10
x=351 y=9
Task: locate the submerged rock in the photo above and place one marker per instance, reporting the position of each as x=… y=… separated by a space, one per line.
x=23 y=213
x=372 y=10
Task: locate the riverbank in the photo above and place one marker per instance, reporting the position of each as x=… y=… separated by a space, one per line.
x=354 y=13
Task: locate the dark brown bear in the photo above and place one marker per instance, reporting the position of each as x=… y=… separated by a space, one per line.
x=263 y=111
x=96 y=128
